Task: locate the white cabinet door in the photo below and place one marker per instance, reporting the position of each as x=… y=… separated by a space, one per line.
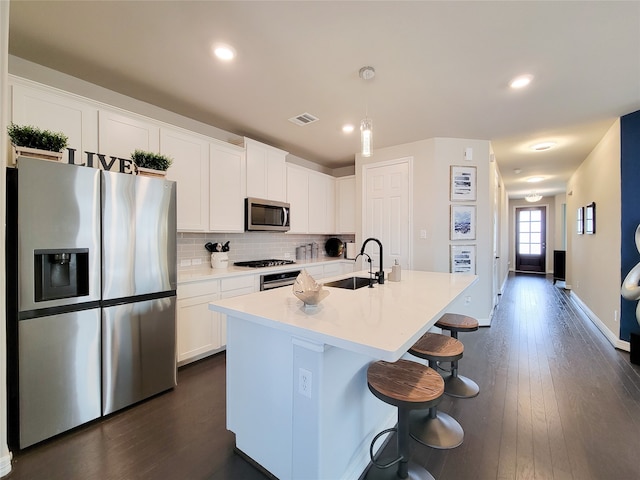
x=346 y=204
x=198 y=328
x=266 y=174
x=298 y=198
x=227 y=174
x=51 y=110
x=234 y=287
x=190 y=171
x=321 y=203
x=120 y=135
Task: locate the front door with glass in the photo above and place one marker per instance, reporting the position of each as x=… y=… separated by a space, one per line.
x=530 y=239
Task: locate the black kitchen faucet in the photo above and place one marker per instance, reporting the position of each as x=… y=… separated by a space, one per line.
x=380 y=274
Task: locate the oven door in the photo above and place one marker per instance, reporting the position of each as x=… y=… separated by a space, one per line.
x=277 y=280
x=266 y=215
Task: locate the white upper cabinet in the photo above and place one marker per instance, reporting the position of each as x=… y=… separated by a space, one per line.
x=298 y=198
x=321 y=203
x=58 y=112
x=346 y=204
x=210 y=180
x=266 y=171
x=190 y=171
x=120 y=135
x=227 y=174
x=311 y=195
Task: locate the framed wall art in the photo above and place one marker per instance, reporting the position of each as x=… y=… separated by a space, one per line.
x=590 y=218
x=463 y=222
x=463 y=259
x=580 y=221
x=463 y=183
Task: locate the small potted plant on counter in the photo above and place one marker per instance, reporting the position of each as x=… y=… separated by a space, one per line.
x=30 y=141
x=151 y=164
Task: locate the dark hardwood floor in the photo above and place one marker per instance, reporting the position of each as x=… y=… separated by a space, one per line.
x=556 y=402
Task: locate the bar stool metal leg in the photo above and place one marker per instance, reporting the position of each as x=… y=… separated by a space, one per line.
x=406 y=469
x=459 y=386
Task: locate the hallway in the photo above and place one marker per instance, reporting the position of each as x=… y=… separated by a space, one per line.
x=556 y=402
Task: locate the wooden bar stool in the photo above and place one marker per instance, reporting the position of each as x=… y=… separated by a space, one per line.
x=407 y=385
x=457 y=385
x=436 y=429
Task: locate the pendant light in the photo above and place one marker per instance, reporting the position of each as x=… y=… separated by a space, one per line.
x=366 y=126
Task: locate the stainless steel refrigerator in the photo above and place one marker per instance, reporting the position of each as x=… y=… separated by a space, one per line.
x=91 y=278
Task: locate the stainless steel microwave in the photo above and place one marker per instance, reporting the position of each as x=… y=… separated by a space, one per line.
x=266 y=215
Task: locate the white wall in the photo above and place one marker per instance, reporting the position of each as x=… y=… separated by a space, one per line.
x=431 y=211
x=593 y=261
x=5 y=455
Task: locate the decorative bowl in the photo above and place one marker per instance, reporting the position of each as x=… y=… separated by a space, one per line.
x=308 y=290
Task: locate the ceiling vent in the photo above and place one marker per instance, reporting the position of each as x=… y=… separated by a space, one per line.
x=303 y=119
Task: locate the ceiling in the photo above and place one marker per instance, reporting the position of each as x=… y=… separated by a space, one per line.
x=442 y=70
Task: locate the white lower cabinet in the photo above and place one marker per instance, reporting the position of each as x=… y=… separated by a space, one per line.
x=234 y=287
x=347 y=267
x=199 y=330
x=332 y=270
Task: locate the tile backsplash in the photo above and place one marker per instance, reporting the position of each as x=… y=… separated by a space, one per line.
x=246 y=246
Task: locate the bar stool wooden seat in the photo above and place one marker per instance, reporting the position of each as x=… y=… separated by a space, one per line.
x=407 y=385
x=436 y=429
x=457 y=385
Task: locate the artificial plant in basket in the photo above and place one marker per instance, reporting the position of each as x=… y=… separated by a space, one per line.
x=150 y=160
x=34 y=137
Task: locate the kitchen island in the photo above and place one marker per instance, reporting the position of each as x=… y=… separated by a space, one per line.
x=297 y=396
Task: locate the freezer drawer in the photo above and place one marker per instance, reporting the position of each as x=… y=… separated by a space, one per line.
x=138 y=351
x=59 y=373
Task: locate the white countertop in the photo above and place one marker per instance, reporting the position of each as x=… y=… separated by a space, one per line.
x=381 y=322
x=206 y=272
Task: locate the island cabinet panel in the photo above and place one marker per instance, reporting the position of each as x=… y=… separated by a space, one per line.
x=227 y=174
x=190 y=171
x=346 y=204
x=199 y=330
x=50 y=109
x=266 y=175
x=119 y=135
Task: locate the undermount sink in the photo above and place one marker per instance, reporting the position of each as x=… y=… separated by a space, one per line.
x=350 y=283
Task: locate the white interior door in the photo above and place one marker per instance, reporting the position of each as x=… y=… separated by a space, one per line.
x=386 y=212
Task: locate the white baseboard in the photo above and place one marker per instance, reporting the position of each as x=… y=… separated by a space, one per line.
x=5 y=465
x=609 y=335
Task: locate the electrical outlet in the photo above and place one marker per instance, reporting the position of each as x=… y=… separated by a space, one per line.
x=287 y=255
x=196 y=261
x=423 y=233
x=185 y=263
x=467 y=300
x=304 y=382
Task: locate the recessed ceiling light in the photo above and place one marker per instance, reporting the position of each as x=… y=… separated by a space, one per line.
x=348 y=128
x=521 y=81
x=535 y=179
x=224 y=52
x=540 y=147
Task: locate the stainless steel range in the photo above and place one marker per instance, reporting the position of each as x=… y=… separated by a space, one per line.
x=272 y=262
x=272 y=280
